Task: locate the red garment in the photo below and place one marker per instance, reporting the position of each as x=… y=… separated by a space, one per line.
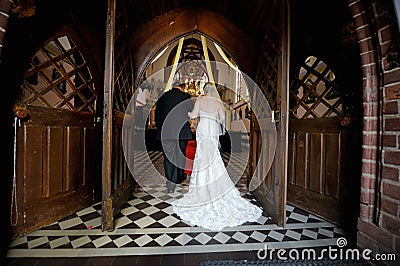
x=190 y=152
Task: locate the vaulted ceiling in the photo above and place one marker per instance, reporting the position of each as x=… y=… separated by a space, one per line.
x=249 y=16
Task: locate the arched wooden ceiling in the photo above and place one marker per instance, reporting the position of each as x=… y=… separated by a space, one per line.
x=155 y=34
x=249 y=16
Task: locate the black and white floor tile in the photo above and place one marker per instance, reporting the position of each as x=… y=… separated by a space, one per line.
x=147 y=225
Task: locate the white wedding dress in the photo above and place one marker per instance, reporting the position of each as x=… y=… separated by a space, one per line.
x=212 y=201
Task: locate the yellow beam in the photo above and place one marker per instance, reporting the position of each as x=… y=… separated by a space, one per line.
x=174 y=66
x=207 y=59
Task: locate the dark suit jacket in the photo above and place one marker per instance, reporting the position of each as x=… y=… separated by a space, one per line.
x=177 y=123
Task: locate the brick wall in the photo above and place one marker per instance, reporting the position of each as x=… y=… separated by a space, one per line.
x=5 y=8
x=379 y=220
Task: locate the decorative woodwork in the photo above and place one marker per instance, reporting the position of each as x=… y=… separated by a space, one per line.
x=117 y=180
x=57 y=136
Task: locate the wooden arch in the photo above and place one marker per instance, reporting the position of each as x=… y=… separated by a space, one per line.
x=172 y=25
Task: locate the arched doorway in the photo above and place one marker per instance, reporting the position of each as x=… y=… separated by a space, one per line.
x=146 y=47
x=59 y=102
x=182 y=60
x=237 y=96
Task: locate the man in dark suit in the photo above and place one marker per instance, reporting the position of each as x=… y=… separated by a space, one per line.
x=173 y=129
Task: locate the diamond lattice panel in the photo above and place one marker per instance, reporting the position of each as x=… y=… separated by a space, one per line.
x=313 y=93
x=59 y=77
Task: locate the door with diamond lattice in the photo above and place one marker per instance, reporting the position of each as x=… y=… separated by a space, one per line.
x=57 y=134
x=319 y=133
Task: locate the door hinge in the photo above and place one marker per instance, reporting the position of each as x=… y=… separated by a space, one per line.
x=96 y=120
x=275 y=116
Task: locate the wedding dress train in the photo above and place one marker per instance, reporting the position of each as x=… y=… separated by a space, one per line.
x=212 y=201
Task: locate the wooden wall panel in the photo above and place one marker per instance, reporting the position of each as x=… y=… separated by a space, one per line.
x=301 y=159
x=317 y=162
x=332 y=164
x=314 y=172
x=53 y=161
x=33 y=142
x=60 y=187
x=91 y=160
x=73 y=159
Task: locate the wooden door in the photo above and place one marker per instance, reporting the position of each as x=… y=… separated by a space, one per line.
x=318 y=142
x=272 y=78
x=117 y=180
x=57 y=144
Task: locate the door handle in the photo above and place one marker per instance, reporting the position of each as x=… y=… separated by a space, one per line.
x=20 y=111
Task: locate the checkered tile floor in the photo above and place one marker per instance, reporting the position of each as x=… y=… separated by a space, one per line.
x=147 y=225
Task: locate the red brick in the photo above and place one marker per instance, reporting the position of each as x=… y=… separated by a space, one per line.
x=355 y=8
x=392 y=92
x=369 y=71
x=367 y=182
x=390 y=173
x=389 y=140
x=363 y=33
x=382 y=21
x=365 y=211
x=386 y=34
x=5 y=6
x=365 y=47
x=368 y=168
x=368 y=58
x=391 y=107
x=365 y=242
x=367 y=197
x=392 y=124
x=392 y=191
x=359 y=21
x=370 y=109
x=3 y=21
x=391 y=224
x=385 y=48
x=381 y=236
x=392 y=157
x=392 y=76
x=370 y=125
x=389 y=206
x=369 y=154
x=370 y=94
x=370 y=139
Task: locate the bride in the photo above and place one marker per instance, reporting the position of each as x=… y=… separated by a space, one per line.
x=212 y=201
